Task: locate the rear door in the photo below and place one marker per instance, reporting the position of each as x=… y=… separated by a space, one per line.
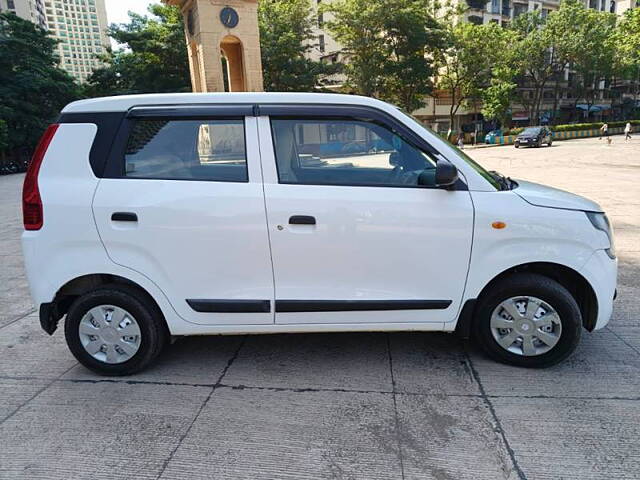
x=354 y=238
x=183 y=204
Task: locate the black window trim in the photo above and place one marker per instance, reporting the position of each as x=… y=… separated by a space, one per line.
x=116 y=166
x=192 y=111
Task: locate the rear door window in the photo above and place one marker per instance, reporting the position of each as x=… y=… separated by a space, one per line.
x=211 y=150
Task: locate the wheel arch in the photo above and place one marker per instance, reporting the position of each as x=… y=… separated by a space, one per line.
x=573 y=281
x=52 y=312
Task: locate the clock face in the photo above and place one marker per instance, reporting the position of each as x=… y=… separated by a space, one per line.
x=229 y=17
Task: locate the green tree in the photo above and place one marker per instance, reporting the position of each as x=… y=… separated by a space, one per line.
x=498 y=96
x=4 y=138
x=537 y=63
x=628 y=51
x=390 y=46
x=286 y=37
x=32 y=87
x=466 y=68
x=562 y=32
x=154 y=59
x=593 y=56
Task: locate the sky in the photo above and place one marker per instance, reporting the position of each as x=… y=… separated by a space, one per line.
x=117 y=9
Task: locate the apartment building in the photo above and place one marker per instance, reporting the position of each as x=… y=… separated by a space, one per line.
x=325 y=48
x=435 y=111
x=80 y=26
x=32 y=10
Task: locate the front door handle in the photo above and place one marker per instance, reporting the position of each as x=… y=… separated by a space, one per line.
x=302 y=220
x=124 y=217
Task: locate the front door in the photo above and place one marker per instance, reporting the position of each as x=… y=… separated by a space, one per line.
x=187 y=211
x=354 y=238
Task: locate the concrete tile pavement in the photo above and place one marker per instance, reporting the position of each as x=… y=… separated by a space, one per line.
x=406 y=405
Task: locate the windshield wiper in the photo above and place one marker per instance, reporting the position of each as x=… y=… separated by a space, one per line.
x=505 y=182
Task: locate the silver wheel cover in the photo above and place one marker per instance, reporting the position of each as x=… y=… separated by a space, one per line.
x=526 y=326
x=109 y=334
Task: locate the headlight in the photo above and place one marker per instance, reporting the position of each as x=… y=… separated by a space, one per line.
x=601 y=222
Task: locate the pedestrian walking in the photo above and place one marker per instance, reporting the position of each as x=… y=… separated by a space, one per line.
x=604 y=130
x=627 y=131
x=460 y=142
x=473 y=138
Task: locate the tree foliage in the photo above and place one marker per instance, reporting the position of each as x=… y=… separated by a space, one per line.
x=32 y=87
x=390 y=47
x=153 y=60
x=4 y=136
x=469 y=72
x=575 y=37
x=628 y=50
x=286 y=39
x=499 y=94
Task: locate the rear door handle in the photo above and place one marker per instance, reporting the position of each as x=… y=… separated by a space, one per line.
x=124 y=217
x=302 y=220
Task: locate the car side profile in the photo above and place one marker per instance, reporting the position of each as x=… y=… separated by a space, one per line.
x=153 y=216
x=534 y=137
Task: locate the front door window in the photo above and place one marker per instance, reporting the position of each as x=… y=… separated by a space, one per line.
x=346 y=152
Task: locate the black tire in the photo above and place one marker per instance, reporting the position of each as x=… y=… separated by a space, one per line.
x=550 y=142
x=545 y=289
x=153 y=332
x=516 y=145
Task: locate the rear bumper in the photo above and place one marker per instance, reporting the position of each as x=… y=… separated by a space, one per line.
x=602 y=271
x=49 y=317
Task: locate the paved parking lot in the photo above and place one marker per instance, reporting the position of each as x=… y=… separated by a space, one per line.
x=343 y=406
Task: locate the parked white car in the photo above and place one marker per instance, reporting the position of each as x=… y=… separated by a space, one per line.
x=154 y=216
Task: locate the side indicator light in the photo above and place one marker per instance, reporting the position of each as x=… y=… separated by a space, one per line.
x=499 y=225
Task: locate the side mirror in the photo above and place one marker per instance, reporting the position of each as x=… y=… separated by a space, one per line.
x=446 y=174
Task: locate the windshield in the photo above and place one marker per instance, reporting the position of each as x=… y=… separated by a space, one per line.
x=463 y=156
x=532 y=131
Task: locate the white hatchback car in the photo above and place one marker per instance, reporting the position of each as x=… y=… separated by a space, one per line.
x=154 y=216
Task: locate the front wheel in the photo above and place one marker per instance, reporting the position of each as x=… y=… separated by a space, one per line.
x=115 y=330
x=528 y=320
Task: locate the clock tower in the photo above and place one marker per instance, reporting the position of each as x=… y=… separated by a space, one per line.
x=223 y=44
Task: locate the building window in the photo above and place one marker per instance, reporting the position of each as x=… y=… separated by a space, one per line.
x=11 y=5
x=321 y=44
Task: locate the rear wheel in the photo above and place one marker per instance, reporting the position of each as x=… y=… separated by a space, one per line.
x=528 y=320
x=115 y=330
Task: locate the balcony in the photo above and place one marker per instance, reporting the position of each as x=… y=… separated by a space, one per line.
x=477 y=4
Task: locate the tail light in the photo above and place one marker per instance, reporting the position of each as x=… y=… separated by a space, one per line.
x=31 y=201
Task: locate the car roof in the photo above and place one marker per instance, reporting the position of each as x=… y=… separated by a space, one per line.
x=125 y=102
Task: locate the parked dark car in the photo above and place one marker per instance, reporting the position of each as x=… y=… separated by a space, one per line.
x=534 y=137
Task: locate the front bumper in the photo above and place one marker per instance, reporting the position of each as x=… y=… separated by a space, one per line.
x=601 y=272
